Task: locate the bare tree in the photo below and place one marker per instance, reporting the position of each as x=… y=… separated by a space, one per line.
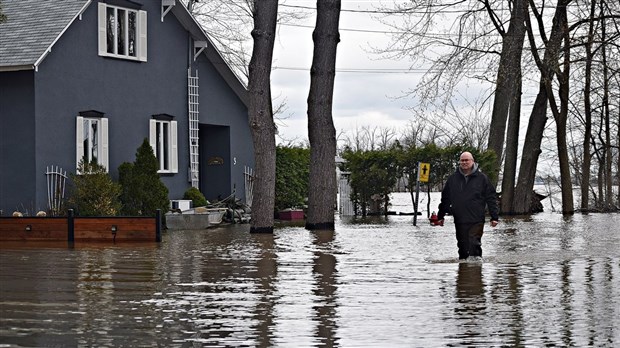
x=606 y=118
x=586 y=156
x=321 y=131
x=507 y=98
x=265 y=13
x=548 y=65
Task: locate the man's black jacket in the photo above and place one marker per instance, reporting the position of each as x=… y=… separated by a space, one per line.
x=466 y=197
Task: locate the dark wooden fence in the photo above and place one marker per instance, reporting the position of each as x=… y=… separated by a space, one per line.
x=74 y=228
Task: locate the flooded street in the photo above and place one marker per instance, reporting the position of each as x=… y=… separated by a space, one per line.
x=546 y=280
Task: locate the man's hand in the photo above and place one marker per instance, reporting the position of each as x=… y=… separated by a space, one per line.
x=494 y=223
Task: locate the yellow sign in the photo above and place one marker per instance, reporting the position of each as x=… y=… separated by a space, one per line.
x=424 y=169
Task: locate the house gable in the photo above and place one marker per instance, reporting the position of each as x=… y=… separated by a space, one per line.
x=31 y=29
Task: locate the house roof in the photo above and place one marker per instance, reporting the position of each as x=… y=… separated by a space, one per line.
x=32 y=28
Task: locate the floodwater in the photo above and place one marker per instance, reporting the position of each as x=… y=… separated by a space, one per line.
x=546 y=280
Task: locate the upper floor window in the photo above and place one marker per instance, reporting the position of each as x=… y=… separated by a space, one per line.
x=122 y=32
x=91 y=140
x=163 y=140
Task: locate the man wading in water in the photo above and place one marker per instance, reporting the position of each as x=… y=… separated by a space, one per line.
x=466 y=195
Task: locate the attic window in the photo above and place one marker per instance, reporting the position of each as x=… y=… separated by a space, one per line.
x=122 y=32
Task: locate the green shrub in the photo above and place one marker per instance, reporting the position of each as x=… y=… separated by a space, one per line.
x=292 y=177
x=198 y=199
x=143 y=192
x=93 y=192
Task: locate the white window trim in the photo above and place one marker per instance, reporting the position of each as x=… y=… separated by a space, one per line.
x=102 y=141
x=172 y=148
x=141 y=31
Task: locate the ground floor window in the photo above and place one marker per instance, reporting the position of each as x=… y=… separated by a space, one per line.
x=163 y=140
x=91 y=140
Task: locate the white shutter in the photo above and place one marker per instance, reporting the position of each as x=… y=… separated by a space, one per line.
x=79 y=140
x=174 y=155
x=142 y=35
x=104 y=160
x=153 y=135
x=102 y=29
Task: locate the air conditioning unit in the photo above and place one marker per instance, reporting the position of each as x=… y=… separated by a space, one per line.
x=181 y=204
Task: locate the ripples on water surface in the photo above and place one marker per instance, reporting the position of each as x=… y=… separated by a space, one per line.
x=546 y=280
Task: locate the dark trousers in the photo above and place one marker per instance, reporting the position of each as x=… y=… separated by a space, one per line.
x=468 y=237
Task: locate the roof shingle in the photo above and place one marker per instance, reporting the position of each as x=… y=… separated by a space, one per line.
x=31 y=27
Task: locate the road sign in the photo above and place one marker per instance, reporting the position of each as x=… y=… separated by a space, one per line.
x=424 y=169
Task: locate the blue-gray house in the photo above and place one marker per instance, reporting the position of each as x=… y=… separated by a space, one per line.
x=93 y=78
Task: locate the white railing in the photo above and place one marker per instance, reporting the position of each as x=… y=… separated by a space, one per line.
x=248 y=175
x=345 y=206
x=56 y=180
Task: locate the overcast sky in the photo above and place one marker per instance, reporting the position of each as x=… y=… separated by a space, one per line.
x=369 y=91
x=366 y=87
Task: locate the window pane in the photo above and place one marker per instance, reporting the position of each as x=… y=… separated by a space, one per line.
x=95 y=141
x=158 y=144
x=111 y=29
x=86 y=141
x=132 y=34
x=120 y=37
x=166 y=146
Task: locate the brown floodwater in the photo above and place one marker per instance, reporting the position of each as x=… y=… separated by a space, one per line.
x=546 y=280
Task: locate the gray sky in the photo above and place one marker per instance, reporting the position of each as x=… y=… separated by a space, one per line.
x=368 y=90
x=366 y=87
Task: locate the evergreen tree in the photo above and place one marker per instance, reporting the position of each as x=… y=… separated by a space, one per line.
x=143 y=191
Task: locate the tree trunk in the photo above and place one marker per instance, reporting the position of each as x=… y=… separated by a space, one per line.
x=586 y=156
x=522 y=203
x=565 y=177
x=512 y=148
x=608 y=152
x=261 y=115
x=531 y=148
x=561 y=115
x=508 y=80
x=618 y=159
x=321 y=131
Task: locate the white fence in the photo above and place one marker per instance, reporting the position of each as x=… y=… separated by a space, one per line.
x=248 y=175
x=56 y=180
x=345 y=206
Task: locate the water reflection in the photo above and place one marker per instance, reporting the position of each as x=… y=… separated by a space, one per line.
x=469 y=285
x=325 y=289
x=470 y=306
x=266 y=268
x=545 y=281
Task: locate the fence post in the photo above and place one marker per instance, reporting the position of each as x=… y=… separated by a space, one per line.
x=70 y=227
x=158 y=225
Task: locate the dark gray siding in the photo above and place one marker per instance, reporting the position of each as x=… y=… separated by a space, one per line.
x=74 y=78
x=17 y=143
x=220 y=106
x=38 y=113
